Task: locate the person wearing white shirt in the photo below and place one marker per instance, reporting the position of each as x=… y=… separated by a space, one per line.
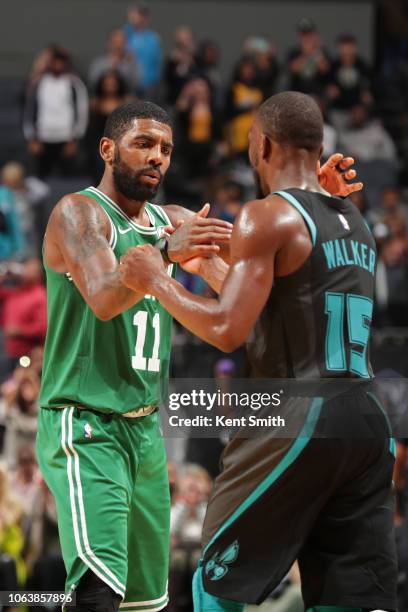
x=56 y=116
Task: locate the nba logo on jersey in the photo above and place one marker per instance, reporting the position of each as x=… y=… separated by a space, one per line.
x=344 y=222
x=87 y=431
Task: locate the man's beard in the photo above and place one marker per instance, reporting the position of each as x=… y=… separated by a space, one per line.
x=259 y=192
x=127 y=180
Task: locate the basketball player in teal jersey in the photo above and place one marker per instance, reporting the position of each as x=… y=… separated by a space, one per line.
x=299 y=291
x=106 y=359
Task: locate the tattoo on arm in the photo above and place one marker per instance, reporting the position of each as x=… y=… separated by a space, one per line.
x=86 y=248
x=83 y=230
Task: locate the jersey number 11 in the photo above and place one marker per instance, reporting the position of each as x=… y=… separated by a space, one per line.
x=139 y=362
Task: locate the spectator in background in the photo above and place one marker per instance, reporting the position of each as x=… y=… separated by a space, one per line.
x=12 y=568
x=198 y=128
x=56 y=116
x=110 y=92
x=308 y=63
x=116 y=59
x=180 y=63
x=30 y=194
x=330 y=137
x=390 y=216
x=43 y=551
x=349 y=80
x=242 y=100
x=12 y=242
x=206 y=452
x=263 y=53
x=207 y=67
x=392 y=280
x=365 y=138
x=359 y=200
x=228 y=200
x=24 y=309
x=186 y=521
x=19 y=405
x=392 y=205
x=145 y=45
x=36 y=360
x=40 y=64
x=25 y=480
x=187 y=513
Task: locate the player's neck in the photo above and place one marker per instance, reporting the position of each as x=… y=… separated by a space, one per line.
x=299 y=172
x=132 y=208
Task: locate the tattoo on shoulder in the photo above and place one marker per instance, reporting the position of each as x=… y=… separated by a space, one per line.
x=83 y=228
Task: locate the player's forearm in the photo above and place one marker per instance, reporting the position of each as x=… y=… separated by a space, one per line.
x=108 y=297
x=214 y=270
x=202 y=316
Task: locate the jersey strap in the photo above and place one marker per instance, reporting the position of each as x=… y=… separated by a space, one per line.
x=296 y=204
x=159 y=210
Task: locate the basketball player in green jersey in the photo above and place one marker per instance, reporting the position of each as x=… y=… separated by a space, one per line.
x=106 y=357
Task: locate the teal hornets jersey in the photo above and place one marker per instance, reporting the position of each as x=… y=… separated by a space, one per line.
x=316 y=323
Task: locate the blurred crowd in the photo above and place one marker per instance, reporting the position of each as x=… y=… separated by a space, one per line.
x=64 y=113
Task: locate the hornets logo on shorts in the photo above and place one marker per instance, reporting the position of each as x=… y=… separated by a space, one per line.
x=218 y=564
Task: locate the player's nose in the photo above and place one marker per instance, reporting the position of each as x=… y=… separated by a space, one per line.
x=155 y=157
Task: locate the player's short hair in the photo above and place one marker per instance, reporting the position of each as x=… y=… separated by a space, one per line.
x=120 y=120
x=293 y=119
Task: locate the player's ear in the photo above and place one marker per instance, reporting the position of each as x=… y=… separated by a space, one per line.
x=321 y=151
x=266 y=147
x=107 y=150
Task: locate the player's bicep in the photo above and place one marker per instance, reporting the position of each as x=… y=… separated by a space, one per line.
x=249 y=281
x=82 y=239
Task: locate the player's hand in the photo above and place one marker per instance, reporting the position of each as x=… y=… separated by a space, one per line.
x=140 y=266
x=335 y=174
x=193 y=265
x=198 y=237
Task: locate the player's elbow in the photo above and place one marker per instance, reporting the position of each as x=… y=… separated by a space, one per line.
x=228 y=338
x=103 y=314
x=226 y=345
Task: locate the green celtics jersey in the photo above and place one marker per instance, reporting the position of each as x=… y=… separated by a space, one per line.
x=118 y=365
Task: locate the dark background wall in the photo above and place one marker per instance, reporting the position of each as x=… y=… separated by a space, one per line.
x=82 y=25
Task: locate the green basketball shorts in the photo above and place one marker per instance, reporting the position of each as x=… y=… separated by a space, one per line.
x=108 y=475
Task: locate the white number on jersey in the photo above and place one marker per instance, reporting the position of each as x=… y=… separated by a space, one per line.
x=139 y=362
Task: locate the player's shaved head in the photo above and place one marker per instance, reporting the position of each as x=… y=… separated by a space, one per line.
x=121 y=119
x=293 y=119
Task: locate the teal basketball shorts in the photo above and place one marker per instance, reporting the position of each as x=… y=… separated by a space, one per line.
x=108 y=475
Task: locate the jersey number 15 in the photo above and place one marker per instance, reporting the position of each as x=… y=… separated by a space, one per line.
x=358 y=310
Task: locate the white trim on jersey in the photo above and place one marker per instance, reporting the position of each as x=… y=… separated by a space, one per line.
x=113 y=233
x=150 y=602
x=137 y=609
x=161 y=212
x=80 y=529
x=139 y=228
